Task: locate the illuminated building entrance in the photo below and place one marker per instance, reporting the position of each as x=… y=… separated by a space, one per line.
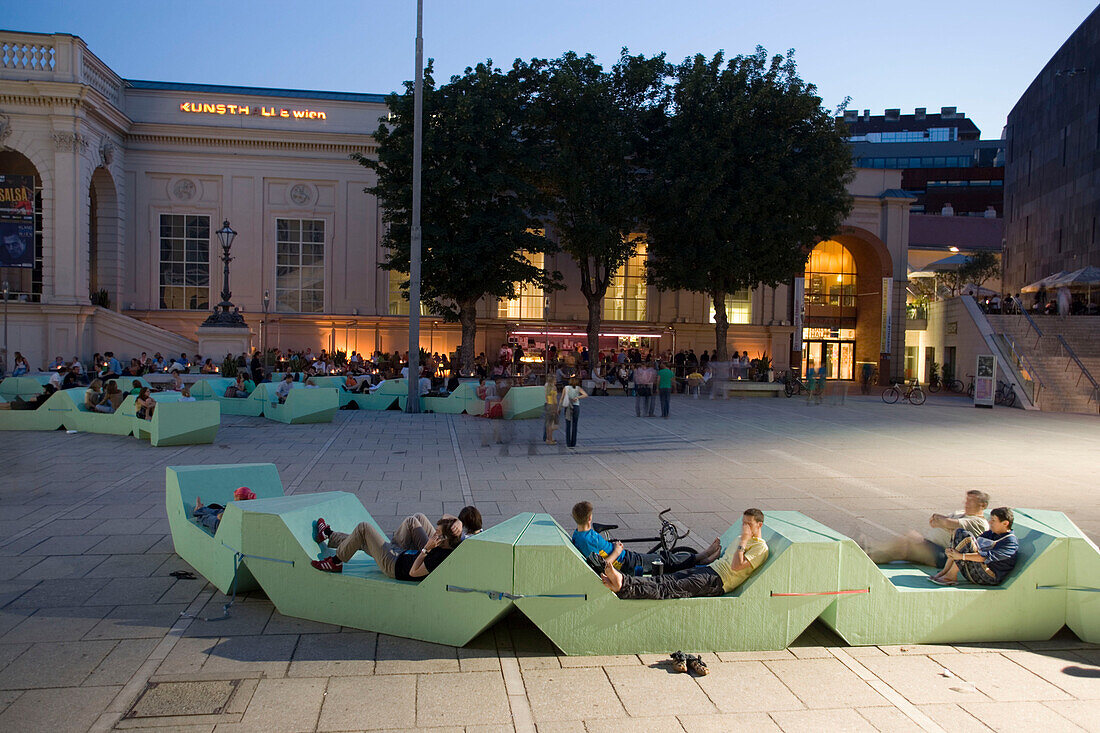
x=833 y=347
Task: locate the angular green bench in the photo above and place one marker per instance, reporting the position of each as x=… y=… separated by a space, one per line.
x=213 y=389
x=551 y=573
x=463 y=399
x=44 y=418
x=303 y=404
x=904 y=607
x=524 y=403
x=179 y=423
x=26 y=388
x=381 y=399
x=444 y=608
x=215 y=555
x=75 y=416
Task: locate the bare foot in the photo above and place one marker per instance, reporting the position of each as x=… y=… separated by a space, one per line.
x=612 y=578
x=198 y=503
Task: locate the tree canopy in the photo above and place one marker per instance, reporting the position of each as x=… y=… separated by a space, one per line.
x=749 y=171
x=481 y=210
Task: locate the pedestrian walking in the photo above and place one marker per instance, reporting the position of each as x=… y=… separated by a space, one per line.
x=570 y=403
x=550 y=411
x=664 y=388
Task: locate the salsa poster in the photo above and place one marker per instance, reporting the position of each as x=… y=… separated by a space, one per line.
x=17 y=221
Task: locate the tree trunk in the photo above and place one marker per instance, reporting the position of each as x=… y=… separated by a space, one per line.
x=721 y=326
x=595 y=318
x=467 y=316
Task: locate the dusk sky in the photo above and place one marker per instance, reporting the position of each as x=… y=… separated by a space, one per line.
x=977 y=56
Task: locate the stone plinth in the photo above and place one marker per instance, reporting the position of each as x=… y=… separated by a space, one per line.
x=217 y=341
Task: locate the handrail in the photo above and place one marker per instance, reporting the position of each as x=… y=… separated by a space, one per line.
x=1022 y=359
x=1084 y=372
x=1030 y=320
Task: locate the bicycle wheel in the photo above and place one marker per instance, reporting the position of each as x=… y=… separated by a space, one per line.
x=916 y=397
x=788 y=389
x=934 y=387
x=970 y=390
x=956 y=386
x=890 y=395
x=1010 y=397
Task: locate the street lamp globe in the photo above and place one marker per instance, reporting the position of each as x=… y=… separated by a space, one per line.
x=228 y=315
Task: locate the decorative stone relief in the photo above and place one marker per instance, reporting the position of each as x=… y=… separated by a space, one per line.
x=106 y=151
x=301 y=194
x=68 y=142
x=5 y=127
x=183 y=189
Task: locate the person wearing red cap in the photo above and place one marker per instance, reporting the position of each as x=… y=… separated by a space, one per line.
x=210 y=515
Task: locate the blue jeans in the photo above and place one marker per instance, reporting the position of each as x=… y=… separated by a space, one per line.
x=665 y=394
x=571 y=426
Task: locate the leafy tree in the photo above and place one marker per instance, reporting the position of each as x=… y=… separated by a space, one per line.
x=593 y=122
x=480 y=211
x=750 y=172
x=980 y=267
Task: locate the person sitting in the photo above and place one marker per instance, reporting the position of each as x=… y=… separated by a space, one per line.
x=590 y=542
x=424 y=383
x=135 y=387
x=694 y=383
x=983 y=559
x=77 y=368
x=145 y=404
x=210 y=515
x=471 y=520
x=56 y=377
x=929 y=549
x=239 y=389
x=350 y=384
x=283 y=391
x=177 y=382
x=113 y=394
x=185 y=395
x=18 y=403
x=70 y=378
x=21 y=367
x=208 y=367
x=112 y=368
x=411 y=555
x=95 y=399
x=718 y=576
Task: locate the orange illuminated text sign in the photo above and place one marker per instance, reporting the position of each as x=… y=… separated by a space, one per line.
x=205 y=108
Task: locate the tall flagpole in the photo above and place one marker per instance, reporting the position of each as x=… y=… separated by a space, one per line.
x=413 y=405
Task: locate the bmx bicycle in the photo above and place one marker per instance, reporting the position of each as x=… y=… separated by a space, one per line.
x=667 y=539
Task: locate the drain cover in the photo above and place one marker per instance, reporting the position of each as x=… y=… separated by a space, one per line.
x=163 y=699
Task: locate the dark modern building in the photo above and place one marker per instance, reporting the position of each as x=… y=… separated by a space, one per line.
x=1052 y=180
x=944 y=162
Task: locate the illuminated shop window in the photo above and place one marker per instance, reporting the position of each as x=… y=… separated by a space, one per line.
x=300 y=265
x=399 y=306
x=627 y=294
x=529 y=303
x=738 y=307
x=831 y=276
x=184 y=262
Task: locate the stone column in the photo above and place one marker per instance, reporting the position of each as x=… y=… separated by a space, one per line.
x=66 y=276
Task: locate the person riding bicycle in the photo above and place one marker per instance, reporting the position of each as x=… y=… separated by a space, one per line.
x=590 y=542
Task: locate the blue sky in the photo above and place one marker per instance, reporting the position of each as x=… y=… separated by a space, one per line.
x=977 y=56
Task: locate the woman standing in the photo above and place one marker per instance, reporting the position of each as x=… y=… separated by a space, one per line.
x=550 y=412
x=570 y=402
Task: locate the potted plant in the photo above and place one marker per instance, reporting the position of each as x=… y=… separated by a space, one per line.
x=764 y=369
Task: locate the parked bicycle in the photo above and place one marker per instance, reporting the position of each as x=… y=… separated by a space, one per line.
x=947 y=384
x=793 y=386
x=667 y=538
x=912 y=394
x=1005 y=394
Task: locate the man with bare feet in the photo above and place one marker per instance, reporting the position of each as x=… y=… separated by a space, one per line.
x=717 y=574
x=929 y=549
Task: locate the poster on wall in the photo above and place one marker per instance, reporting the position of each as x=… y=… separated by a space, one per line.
x=17 y=221
x=984 y=380
x=799 y=311
x=887 y=297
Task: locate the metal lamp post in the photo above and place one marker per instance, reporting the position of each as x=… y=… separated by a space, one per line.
x=263 y=330
x=4 y=366
x=413 y=403
x=228 y=316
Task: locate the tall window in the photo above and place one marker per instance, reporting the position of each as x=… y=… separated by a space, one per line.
x=184 y=262
x=627 y=293
x=300 y=265
x=399 y=306
x=831 y=276
x=529 y=303
x=738 y=307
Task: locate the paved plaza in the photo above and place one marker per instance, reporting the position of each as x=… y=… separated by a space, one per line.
x=90 y=617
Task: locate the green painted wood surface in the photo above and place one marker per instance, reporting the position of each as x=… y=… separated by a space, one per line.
x=463 y=399
x=214 y=390
x=74 y=416
x=44 y=418
x=524 y=403
x=215 y=484
x=303 y=404
x=749 y=618
x=25 y=387
x=180 y=423
x=361 y=596
x=904 y=607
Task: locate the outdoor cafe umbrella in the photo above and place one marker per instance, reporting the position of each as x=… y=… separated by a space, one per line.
x=953 y=262
x=1083 y=278
x=1046 y=282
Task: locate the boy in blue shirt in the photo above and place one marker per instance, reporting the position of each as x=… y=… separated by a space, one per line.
x=589 y=541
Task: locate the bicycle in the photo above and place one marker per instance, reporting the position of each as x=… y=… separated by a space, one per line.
x=1006 y=394
x=947 y=384
x=793 y=386
x=667 y=538
x=912 y=394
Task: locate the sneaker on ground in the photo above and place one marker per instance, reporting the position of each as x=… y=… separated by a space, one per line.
x=330 y=564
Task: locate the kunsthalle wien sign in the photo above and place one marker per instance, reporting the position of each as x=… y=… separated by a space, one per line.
x=16 y=221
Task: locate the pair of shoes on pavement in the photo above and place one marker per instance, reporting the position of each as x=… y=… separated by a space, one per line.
x=330 y=564
x=683 y=662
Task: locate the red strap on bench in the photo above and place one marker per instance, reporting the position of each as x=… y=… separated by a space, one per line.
x=824 y=593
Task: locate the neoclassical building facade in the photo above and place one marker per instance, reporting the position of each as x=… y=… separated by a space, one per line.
x=133 y=178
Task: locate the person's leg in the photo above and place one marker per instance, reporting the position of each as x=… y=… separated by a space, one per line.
x=638 y=401
x=693 y=583
x=650 y=402
x=366 y=537
x=414 y=532
x=920 y=551
x=665 y=397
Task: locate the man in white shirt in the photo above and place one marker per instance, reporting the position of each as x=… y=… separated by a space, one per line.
x=424 y=384
x=929 y=548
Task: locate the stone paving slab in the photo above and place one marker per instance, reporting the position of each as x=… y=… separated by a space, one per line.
x=89 y=613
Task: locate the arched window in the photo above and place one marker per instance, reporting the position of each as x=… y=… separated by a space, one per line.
x=831 y=276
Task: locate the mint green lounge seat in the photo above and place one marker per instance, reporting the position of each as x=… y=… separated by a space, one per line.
x=524 y=403
x=213 y=389
x=362 y=596
x=904 y=607
x=75 y=416
x=463 y=399
x=24 y=387
x=214 y=555
x=179 y=423
x=804 y=556
x=44 y=418
x=303 y=404
x=382 y=399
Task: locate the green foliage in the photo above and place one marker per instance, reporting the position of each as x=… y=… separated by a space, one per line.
x=481 y=210
x=229 y=366
x=594 y=125
x=750 y=173
x=101 y=298
x=340 y=359
x=980 y=267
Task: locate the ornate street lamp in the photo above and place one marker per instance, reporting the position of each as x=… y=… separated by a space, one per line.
x=4 y=366
x=228 y=316
x=263 y=330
